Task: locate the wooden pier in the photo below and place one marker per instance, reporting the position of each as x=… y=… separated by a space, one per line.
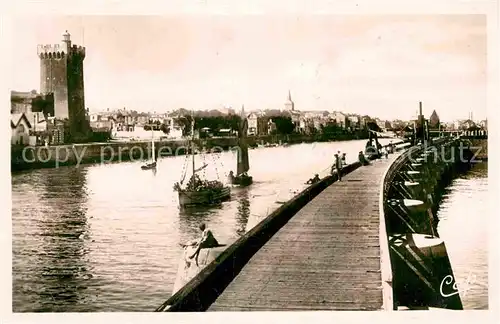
x=327 y=257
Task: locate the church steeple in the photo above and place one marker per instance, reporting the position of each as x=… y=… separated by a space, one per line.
x=289 y=105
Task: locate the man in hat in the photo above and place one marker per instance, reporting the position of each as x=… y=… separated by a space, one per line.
x=337 y=166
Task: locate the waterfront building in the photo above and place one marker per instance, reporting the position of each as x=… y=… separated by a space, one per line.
x=484 y=124
x=20 y=129
x=450 y=126
x=466 y=124
x=125 y=121
x=380 y=123
x=263 y=124
x=339 y=118
x=61 y=74
x=319 y=123
x=365 y=120
x=253 y=124
x=36 y=108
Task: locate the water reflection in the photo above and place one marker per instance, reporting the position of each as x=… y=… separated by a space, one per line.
x=191 y=217
x=65 y=231
x=243 y=211
x=60 y=234
x=463 y=225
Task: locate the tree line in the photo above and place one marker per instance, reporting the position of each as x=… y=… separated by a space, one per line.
x=283 y=124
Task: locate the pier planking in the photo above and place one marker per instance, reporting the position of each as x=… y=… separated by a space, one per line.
x=327 y=257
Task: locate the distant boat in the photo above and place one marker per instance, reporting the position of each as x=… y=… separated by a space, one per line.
x=242 y=164
x=372 y=149
x=151 y=164
x=200 y=191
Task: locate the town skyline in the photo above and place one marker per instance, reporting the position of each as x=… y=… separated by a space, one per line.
x=371 y=65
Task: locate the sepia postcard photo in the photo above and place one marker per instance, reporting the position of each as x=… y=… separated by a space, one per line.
x=250 y=162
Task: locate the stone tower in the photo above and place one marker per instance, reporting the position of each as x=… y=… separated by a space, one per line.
x=61 y=73
x=289 y=105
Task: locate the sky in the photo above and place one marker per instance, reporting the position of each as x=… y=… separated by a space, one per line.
x=376 y=65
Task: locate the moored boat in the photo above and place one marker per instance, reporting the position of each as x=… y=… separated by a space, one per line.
x=203 y=196
x=198 y=191
x=241 y=178
x=151 y=164
x=372 y=149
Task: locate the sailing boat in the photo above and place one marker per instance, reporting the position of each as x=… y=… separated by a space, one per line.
x=198 y=191
x=372 y=149
x=242 y=165
x=152 y=164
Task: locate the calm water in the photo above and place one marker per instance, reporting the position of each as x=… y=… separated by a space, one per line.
x=105 y=237
x=463 y=225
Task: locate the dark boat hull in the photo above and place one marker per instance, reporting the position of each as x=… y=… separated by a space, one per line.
x=149 y=166
x=242 y=181
x=203 y=197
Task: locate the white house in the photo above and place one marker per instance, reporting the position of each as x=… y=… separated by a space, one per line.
x=20 y=127
x=354 y=121
x=339 y=118
x=94 y=117
x=252 y=124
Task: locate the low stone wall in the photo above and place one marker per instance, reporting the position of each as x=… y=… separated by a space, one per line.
x=34 y=157
x=412 y=191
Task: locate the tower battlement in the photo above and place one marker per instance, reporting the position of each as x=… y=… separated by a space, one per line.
x=78 y=50
x=43 y=51
x=52 y=51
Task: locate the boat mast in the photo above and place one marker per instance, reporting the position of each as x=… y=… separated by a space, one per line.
x=242 y=164
x=152 y=144
x=192 y=139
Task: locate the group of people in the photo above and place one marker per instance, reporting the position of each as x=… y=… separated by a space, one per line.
x=231 y=177
x=339 y=163
x=196 y=184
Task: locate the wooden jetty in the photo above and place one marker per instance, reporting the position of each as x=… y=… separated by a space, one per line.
x=327 y=257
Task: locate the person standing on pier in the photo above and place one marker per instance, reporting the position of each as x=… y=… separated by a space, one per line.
x=337 y=166
x=344 y=162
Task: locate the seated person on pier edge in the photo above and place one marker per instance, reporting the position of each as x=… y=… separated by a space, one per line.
x=314 y=180
x=207 y=240
x=362 y=158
